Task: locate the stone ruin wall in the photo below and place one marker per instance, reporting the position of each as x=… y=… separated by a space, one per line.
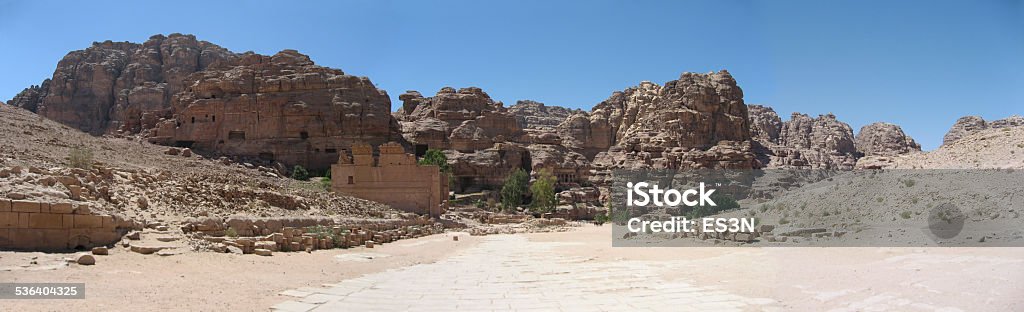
x=393 y=178
x=304 y=233
x=31 y=225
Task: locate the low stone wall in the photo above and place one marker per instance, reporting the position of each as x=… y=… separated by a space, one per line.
x=43 y=226
x=256 y=235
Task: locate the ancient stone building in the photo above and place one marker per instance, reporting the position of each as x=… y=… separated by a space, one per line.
x=394 y=178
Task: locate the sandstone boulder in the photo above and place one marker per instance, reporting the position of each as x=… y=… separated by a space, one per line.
x=85 y=259
x=885 y=139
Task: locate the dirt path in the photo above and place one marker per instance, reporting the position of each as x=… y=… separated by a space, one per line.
x=203 y=281
x=580 y=270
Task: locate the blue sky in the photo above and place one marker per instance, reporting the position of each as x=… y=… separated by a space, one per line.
x=919 y=64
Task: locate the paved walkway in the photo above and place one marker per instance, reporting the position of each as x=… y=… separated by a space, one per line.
x=510 y=273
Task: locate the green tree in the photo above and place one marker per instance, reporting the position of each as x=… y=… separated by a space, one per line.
x=513 y=190
x=544 y=191
x=300 y=173
x=435 y=157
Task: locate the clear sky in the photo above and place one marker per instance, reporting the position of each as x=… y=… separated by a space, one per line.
x=919 y=64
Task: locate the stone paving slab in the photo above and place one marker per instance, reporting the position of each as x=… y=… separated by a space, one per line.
x=510 y=273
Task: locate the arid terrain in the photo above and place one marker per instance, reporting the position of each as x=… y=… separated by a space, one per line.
x=170 y=175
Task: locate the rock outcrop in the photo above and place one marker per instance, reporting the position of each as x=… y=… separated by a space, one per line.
x=31 y=97
x=885 y=139
x=697 y=121
x=537 y=116
x=278 y=108
x=765 y=124
x=181 y=91
x=968 y=125
x=466 y=120
x=113 y=86
x=821 y=142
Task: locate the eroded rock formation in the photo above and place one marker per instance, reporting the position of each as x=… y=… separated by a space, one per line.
x=113 y=86
x=181 y=91
x=697 y=121
x=537 y=116
x=821 y=142
x=968 y=125
x=278 y=108
x=885 y=139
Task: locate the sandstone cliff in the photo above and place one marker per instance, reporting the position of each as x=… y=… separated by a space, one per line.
x=182 y=91
x=821 y=142
x=113 y=86
x=697 y=121
x=277 y=108
x=537 y=116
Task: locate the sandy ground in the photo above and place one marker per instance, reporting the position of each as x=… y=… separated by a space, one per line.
x=835 y=278
x=795 y=278
x=204 y=281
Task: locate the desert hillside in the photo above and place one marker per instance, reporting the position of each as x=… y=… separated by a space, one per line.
x=141 y=181
x=997 y=148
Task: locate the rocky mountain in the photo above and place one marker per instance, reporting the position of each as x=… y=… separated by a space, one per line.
x=993 y=148
x=697 y=121
x=821 y=142
x=537 y=116
x=280 y=108
x=885 y=139
x=970 y=124
x=110 y=86
x=464 y=120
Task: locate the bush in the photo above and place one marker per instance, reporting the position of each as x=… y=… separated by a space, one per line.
x=321 y=232
x=724 y=202
x=513 y=189
x=300 y=173
x=543 y=191
x=905 y=215
x=437 y=158
x=80 y=157
x=601 y=218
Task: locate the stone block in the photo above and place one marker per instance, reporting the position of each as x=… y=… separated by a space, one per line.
x=25 y=206
x=45 y=221
x=108 y=222
x=8 y=220
x=22 y=220
x=5 y=238
x=5 y=205
x=39 y=239
x=88 y=222
x=61 y=208
x=83 y=209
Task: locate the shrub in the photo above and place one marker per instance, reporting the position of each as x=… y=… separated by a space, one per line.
x=905 y=215
x=437 y=158
x=513 y=189
x=231 y=232
x=80 y=157
x=909 y=183
x=320 y=231
x=543 y=191
x=601 y=218
x=725 y=202
x=300 y=173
